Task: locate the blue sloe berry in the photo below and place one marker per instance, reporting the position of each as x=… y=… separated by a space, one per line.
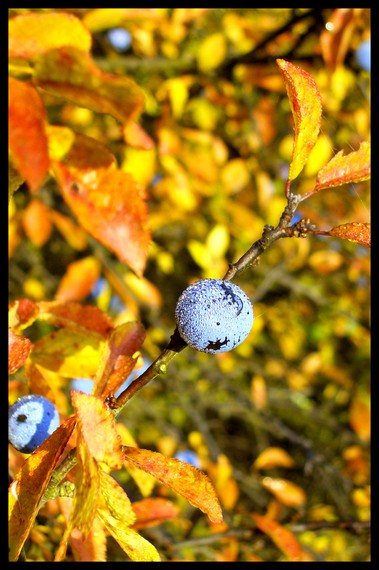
x=214 y=315
x=31 y=420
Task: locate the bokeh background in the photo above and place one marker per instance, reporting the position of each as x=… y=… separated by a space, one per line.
x=281 y=424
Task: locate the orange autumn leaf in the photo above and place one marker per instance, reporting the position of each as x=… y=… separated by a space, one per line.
x=360 y=415
x=305 y=102
x=345 y=168
x=96 y=426
x=71 y=73
x=29 y=485
x=152 y=511
x=111 y=206
x=335 y=40
x=282 y=537
x=36 y=222
x=285 y=491
x=183 y=478
x=18 y=351
x=355 y=231
x=27 y=137
x=74 y=234
x=90 y=547
x=73 y=315
x=33 y=34
x=79 y=279
x=116 y=360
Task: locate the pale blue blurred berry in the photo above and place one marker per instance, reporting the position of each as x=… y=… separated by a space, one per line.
x=188 y=456
x=120 y=39
x=363 y=55
x=31 y=420
x=214 y=315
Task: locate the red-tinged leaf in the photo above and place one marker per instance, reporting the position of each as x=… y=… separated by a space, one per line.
x=36 y=222
x=305 y=101
x=85 y=153
x=33 y=34
x=345 y=168
x=96 y=426
x=282 y=537
x=115 y=500
x=18 y=351
x=29 y=485
x=336 y=39
x=116 y=361
x=71 y=73
x=111 y=207
x=87 y=489
x=22 y=313
x=79 y=279
x=183 y=478
x=91 y=547
x=136 y=136
x=153 y=511
x=27 y=137
x=355 y=231
x=75 y=316
x=134 y=545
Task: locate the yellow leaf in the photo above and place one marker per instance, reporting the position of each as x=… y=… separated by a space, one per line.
x=73 y=354
x=285 y=491
x=116 y=500
x=33 y=34
x=183 y=478
x=234 y=176
x=96 y=426
x=87 y=485
x=136 y=547
x=321 y=153
x=178 y=93
x=273 y=457
x=306 y=108
x=211 y=52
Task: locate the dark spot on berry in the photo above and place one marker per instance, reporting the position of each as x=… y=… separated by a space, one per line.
x=216 y=345
x=22 y=418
